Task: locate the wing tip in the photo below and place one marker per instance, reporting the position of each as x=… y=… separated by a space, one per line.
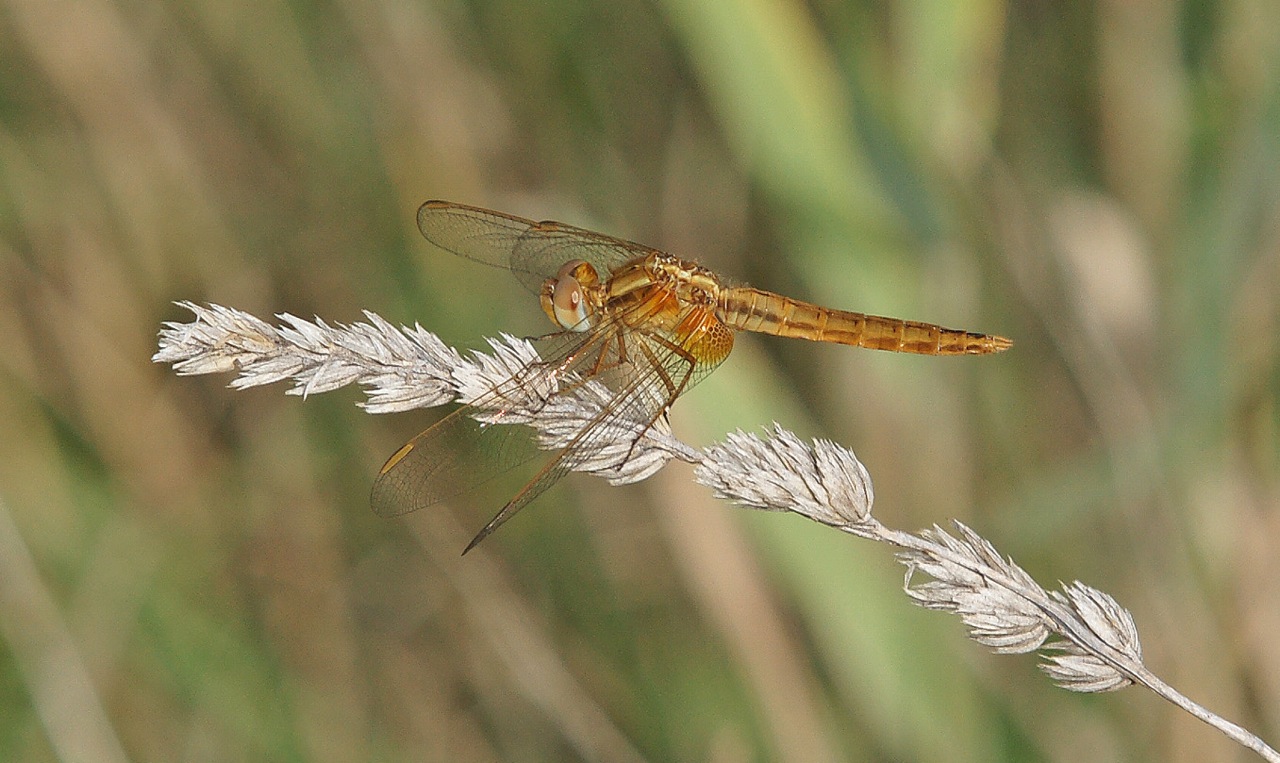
x=488 y=529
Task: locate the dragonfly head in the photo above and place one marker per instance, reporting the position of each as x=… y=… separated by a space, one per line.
x=564 y=298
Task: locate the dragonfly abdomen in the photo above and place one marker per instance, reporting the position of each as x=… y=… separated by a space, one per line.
x=749 y=309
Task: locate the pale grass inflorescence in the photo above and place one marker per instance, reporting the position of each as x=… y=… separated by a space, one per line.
x=1088 y=642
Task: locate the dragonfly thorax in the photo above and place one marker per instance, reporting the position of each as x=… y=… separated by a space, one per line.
x=565 y=298
x=692 y=284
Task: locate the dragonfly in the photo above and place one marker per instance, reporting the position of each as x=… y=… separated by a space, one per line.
x=645 y=324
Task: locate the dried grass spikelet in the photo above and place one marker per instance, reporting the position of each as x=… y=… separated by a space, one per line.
x=1087 y=641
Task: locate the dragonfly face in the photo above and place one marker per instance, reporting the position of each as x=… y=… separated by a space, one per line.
x=645 y=325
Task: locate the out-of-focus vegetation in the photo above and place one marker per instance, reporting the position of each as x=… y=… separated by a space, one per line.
x=192 y=573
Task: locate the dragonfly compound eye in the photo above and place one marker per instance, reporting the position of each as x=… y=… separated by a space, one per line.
x=568 y=304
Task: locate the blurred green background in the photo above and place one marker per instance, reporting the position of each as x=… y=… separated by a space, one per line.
x=189 y=573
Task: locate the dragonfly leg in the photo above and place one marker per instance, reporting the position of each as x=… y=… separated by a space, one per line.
x=565 y=365
x=602 y=364
x=602 y=361
x=674 y=390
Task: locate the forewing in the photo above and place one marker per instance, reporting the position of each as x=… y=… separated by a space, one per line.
x=478 y=234
x=549 y=244
x=460 y=452
x=456 y=454
x=533 y=251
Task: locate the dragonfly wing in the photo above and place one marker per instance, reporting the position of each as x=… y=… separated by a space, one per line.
x=654 y=372
x=454 y=455
x=460 y=452
x=533 y=251
x=549 y=244
x=478 y=234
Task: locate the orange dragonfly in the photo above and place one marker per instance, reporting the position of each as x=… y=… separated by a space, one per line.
x=647 y=325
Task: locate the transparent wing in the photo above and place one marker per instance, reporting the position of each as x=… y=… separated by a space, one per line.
x=662 y=374
x=459 y=452
x=645 y=371
x=533 y=251
x=456 y=454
